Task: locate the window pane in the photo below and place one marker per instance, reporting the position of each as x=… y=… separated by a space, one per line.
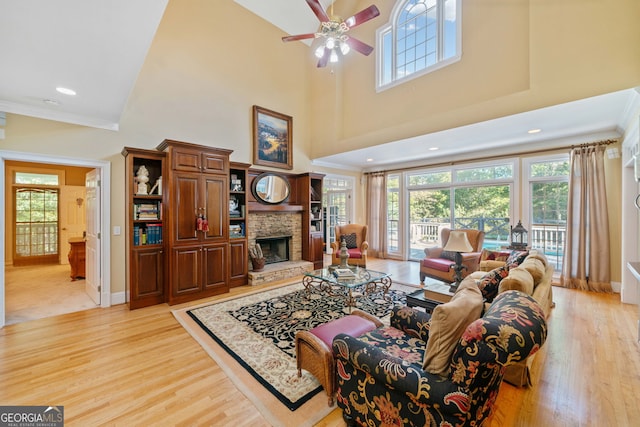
x=542 y=169
x=430 y=178
x=393 y=212
x=36 y=222
x=450 y=29
x=424 y=33
x=487 y=209
x=429 y=212
x=549 y=219
x=386 y=60
x=485 y=173
x=36 y=178
x=549 y=202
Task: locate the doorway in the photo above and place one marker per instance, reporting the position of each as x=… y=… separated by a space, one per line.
x=101 y=265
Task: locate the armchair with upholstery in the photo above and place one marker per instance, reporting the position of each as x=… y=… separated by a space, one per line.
x=356 y=238
x=381 y=379
x=438 y=263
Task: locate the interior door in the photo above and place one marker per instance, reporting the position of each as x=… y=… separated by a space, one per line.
x=94 y=276
x=72 y=217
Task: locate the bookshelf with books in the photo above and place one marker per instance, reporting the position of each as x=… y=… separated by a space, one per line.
x=239 y=261
x=310 y=190
x=145 y=262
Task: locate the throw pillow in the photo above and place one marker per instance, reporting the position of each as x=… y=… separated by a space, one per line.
x=489 y=255
x=450 y=255
x=350 y=240
x=448 y=323
x=490 y=282
x=518 y=279
x=516 y=258
x=534 y=253
x=535 y=267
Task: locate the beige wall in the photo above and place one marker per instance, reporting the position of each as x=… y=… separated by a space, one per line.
x=517 y=55
x=200 y=79
x=212 y=60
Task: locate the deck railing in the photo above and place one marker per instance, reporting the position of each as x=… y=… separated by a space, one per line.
x=548 y=238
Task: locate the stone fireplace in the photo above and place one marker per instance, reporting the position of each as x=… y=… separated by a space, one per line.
x=267 y=226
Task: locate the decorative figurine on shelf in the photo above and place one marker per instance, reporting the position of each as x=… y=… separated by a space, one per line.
x=142 y=178
x=344 y=254
x=157 y=185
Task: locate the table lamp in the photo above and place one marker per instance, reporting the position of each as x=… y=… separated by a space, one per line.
x=458 y=243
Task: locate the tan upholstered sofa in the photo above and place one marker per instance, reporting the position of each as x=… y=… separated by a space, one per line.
x=533 y=276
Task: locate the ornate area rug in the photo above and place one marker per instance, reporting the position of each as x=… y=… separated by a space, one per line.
x=252 y=338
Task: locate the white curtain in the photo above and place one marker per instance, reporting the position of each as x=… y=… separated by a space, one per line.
x=377 y=213
x=586 y=258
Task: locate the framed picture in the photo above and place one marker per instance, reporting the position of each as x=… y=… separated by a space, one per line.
x=272 y=138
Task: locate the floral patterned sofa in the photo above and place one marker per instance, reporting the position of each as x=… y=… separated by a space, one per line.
x=381 y=379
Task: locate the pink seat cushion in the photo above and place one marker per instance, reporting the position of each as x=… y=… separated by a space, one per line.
x=352 y=325
x=354 y=253
x=439 y=264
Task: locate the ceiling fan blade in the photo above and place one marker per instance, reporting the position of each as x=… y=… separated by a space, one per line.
x=299 y=37
x=362 y=16
x=325 y=58
x=318 y=10
x=361 y=47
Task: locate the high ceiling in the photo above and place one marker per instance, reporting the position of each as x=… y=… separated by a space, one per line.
x=97 y=48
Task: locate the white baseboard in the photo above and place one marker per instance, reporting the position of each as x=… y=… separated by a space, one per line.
x=616 y=286
x=118 y=298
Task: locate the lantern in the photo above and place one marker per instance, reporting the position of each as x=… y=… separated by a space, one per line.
x=519 y=236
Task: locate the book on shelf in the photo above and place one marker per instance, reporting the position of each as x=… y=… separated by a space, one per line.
x=438 y=292
x=149 y=235
x=147 y=211
x=236 y=230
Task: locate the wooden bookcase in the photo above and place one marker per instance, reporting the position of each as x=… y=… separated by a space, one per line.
x=310 y=192
x=238 y=211
x=145 y=228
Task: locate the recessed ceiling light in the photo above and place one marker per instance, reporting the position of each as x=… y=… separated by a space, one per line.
x=51 y=101
x=66 y=91
x=434 y=148
x=534 y=130
x=369 y=159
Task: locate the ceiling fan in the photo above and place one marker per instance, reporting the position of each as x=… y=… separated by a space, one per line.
x=336 y=42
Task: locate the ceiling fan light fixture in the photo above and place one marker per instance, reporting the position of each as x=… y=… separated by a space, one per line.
x=330 y=43
x=332 y=33
x=344 y=48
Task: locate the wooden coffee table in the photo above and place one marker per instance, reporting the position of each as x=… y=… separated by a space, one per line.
x=433 y=294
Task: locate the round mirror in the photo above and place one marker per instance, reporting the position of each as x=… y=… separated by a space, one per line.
x=270 y=188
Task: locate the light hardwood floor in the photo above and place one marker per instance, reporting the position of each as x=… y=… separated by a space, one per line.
x=140 y=368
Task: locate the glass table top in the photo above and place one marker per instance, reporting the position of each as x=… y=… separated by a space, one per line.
x=350 y=278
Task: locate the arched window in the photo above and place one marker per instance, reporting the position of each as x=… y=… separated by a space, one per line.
x=421 y=36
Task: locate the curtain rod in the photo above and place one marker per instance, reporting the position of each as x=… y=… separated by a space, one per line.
x=501 y=156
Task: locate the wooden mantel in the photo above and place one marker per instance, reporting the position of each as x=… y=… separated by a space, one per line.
x=255 y=207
